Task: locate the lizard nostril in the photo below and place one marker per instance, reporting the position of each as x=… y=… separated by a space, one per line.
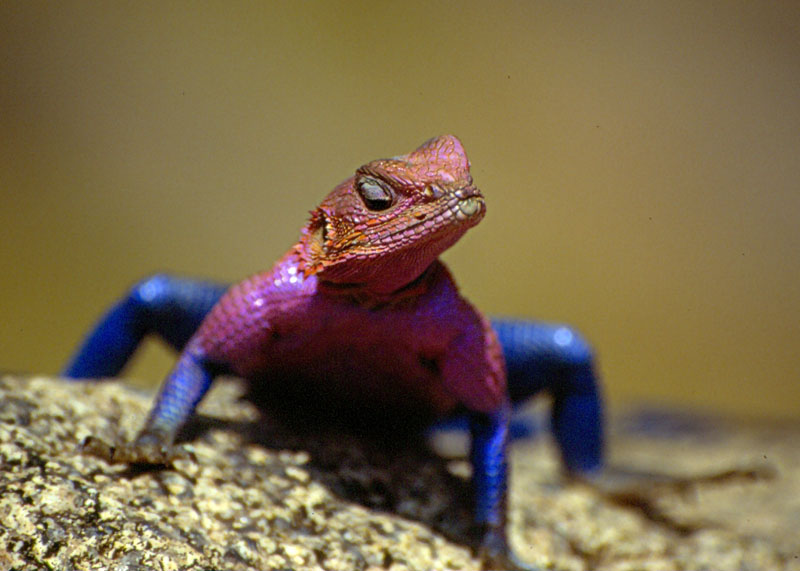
x=467 y=208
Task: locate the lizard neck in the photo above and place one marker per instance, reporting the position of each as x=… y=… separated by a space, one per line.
x=368 y=296
x=376 y=272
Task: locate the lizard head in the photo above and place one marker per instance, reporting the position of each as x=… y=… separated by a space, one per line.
x=381 y=228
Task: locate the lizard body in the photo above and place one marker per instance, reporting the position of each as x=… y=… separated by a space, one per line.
x=362 y=314
x=397 y=355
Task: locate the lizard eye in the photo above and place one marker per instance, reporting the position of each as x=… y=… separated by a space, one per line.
x=376 y=195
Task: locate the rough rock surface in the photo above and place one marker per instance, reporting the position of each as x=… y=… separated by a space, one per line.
x=262 y=494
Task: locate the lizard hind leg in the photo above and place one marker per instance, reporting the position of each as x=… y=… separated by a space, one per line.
x=556 y=358
x=168 y=306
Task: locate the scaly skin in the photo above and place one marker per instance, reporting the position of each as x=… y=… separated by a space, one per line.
x=361 y=313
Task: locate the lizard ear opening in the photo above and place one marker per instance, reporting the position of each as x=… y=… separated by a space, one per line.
x=315 y=236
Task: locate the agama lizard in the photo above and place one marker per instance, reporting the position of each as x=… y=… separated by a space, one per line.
x=361 y=312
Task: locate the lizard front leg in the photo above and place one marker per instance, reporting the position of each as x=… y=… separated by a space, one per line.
x=177 y=400
x=488 y=456
x=473 y=371
x=164 y=305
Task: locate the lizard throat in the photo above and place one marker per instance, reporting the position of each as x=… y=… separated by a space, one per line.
x=361 y=294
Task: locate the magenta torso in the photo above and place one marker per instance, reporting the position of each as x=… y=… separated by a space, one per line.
x=424 y=351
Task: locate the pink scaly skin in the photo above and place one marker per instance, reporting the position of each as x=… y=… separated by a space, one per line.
x=362 y=314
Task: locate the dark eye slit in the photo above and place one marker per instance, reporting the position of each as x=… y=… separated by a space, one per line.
x=376 y=194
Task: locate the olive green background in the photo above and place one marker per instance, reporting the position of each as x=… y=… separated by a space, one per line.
x=640 y=163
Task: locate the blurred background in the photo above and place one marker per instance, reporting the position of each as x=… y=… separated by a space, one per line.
x=640 y=163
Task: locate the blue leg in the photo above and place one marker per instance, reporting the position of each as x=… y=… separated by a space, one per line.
x=556 y=358
x=179 y=396
x=170 y=307
x=489 y=468
x=489 y=434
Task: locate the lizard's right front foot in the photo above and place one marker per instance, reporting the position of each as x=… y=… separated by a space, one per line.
x=147 y=449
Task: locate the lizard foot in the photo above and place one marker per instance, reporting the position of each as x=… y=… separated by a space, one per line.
x=496 y=555
x=147 y=449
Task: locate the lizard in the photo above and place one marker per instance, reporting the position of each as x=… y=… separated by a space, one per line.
x=362 y=313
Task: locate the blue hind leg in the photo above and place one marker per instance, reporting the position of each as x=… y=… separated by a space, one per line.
x=557 y=359
x=167 y=306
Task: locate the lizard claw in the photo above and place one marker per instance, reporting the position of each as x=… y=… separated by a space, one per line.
x=145 y=450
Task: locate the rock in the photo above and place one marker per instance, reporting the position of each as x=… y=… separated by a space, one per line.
x=262 y=493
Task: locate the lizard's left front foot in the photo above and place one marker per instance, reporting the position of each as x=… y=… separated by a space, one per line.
x=497 y=555
x=147 y=449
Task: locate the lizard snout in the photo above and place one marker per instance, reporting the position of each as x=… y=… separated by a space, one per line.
x=470 y=206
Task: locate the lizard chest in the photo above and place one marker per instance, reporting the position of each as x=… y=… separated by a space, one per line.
x=348 y=356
